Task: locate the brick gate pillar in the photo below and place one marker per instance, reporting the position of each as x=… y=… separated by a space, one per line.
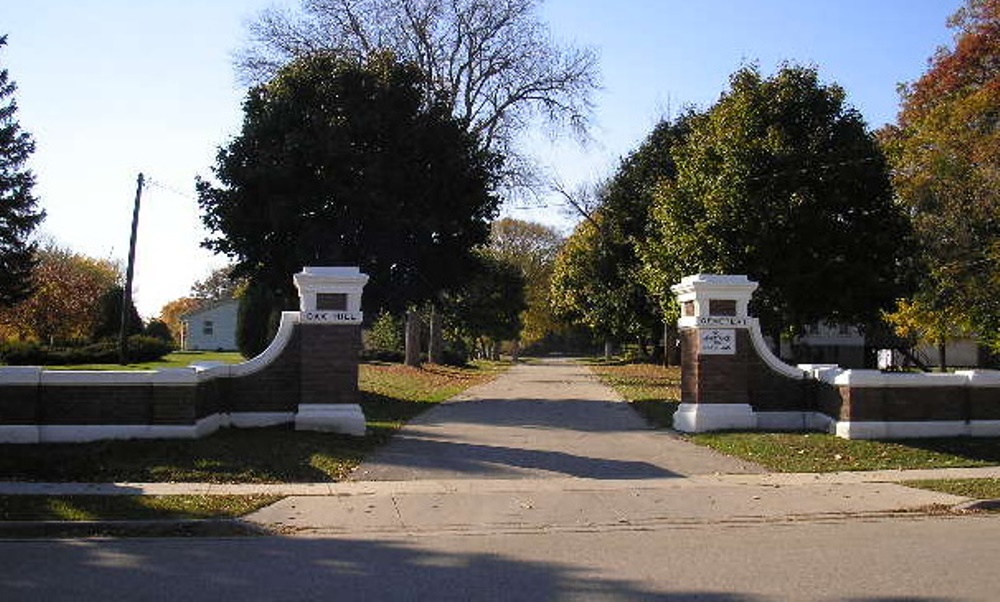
x=330 y=347
x=716 y=353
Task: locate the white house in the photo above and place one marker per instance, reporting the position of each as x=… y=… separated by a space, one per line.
x=212 y=328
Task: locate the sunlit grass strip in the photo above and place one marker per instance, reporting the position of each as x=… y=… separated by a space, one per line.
x=818 y=452
x=654 y=391
x=177 y=359
x=980 y=489
x=129 y=507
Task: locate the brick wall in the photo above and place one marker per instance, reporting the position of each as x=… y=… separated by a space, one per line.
x=318 y=365
x=739 y=378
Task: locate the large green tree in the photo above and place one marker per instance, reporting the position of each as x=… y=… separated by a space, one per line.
x=600 y=280
x=341 y=162
x=532 y=247
x=945 y=151
x=488 y=305
x=19 y=214
x=782 y=181
x=595 y=285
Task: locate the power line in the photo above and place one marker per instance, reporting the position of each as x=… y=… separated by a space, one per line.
x=169 y=188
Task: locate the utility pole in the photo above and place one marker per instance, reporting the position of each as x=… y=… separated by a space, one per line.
x=127 y=291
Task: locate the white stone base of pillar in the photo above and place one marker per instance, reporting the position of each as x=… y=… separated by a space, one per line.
x=703 y=417
x=343 y=418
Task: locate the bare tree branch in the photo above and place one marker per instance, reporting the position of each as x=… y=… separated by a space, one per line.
x=494 y=61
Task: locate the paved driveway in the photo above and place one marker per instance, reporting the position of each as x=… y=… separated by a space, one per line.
x=540 y=420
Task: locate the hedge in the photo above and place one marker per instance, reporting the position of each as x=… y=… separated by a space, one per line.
x=140 y=349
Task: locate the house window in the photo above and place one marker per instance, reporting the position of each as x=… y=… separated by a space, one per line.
x=208 y=328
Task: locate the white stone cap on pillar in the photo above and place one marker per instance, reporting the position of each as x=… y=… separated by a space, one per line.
x=699 y=289
x=327 y=288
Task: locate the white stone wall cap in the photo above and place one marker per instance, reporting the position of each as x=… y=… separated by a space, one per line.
x=20 y=375
x=207 y=365
x=324 y=278
x=715 y=283
x=901 y=430
x=765 y=353
x=285 y=328
x=209 y=370
x=822 y=372
x=875 y=378
x=122 y=378
x=175 y=376
x=981 y=378
x=332 y=271
x=812 y=367
x=720 y=279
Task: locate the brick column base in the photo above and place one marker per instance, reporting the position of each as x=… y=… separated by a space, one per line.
x=329 y=396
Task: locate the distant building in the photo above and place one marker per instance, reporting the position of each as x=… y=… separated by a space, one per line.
x=821 y=343
x=211 y=328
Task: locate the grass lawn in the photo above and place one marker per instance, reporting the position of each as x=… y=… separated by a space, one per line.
x=981 y=489
x=129 y=507
x=177 y=359
x=391 y=394
x=655 y=392
x=820 y=452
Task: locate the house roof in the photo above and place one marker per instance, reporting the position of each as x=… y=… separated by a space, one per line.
x=207 y=308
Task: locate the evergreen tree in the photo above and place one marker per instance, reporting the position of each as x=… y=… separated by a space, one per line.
x=18 y=212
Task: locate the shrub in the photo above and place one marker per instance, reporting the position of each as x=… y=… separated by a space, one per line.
x=140 y=349
x=22 y=353
x=385 y=335
x=158 y=329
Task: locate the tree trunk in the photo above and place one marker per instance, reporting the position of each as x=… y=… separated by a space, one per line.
x=516 y=350
x=667 y=347
x=412 y=338
x=607 y=349
x=435 y=347
x=942 y=357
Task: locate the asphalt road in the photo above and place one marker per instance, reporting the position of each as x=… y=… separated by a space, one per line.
x=937 y=558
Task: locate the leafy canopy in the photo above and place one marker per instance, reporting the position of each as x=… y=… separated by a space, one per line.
x=945 y=152
x=600 y=279
x=341 y=162
x=782 y=181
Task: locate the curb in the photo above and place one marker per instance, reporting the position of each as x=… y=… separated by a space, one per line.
x=130 y=528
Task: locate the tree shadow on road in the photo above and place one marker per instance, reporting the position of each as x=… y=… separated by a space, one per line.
x=279 y=568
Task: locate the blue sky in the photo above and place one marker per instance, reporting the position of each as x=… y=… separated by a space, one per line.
x=110 y=88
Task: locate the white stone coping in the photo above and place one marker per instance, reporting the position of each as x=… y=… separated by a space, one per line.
x=313 y=279
x=20 y=375
x=875 y=378
x=288 y=321
x=982 y=378
x=701 y=289
x=715 y=282
x=765 y=353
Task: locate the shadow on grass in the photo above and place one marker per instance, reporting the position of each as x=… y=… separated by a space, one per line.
x=129 y=507
x=659 y=413
x=975 y=449
x=266 y=455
